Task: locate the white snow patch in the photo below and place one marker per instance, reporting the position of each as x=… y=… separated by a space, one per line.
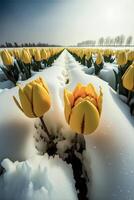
x=37 y=179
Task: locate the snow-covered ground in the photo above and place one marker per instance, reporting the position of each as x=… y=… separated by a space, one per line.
x=109 y=151
x=38 y=178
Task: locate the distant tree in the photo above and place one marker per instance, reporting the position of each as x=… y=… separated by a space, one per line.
x=94 y=42
x=9 y=44
x=121 y=40
x=117 y=40
x=129 y=40
x=15 y=44
x=111 y=41
x=2 y=46
x=26 y=44
x=107 y=41
x=101 y=41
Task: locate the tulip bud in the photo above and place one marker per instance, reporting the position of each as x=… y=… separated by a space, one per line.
x=34 y=98
x=25 y=56
x=32 y=51
x=82 y=108
x=106 y=52
x=7 y=58
x=89 y=55
x=37 y=55
x=121 y=58
x=43 y=54
x=130 y=56
x=128 y=78
x=10 y=51
x=16 y=53
x=99 y=59
x=48 y=54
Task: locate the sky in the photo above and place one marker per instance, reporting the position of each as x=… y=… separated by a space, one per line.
x=64 y=22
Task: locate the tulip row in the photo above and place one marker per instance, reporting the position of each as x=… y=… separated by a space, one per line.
x=124 y=59
x=19 y=63
x=97 y=57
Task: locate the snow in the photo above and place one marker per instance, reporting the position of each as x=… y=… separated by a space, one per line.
x=38 y=178
x=107 y=73
x=109 y=151
x=110 y=148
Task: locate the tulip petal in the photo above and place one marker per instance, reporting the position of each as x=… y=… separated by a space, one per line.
x=79 y=91
x=92 y=100
x=26 y=104
x=100 y=99
x=70 y=97
x=80 y=99
x=99 y=59
x=28 y=91
x=44 y=84
x=77 y=88
x=128 y=78
x=84 y=118
x=67 y=105
x=91 y=91
x=41 y=100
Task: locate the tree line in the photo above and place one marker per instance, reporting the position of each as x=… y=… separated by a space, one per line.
x=16 y=45
x=119 y=40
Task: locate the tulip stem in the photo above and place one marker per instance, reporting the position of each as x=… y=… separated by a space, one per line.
x=45 y=128
x=129 y=97
x=2 y=170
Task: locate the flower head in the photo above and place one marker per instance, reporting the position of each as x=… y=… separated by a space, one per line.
x=16 y=53
x=82 y=108
x=128 y=78
x=37 y=55
x=88 y=55
x=32 y=51
x=130 y=56
x=25 y=56
x=121 y=58
x=43 y=54
x=34 y=98
x=99 y=59
x=6 y=58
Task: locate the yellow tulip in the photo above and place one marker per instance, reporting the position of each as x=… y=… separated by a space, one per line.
x=99 y=59
x=6 y=58
x=34 y=98
x=48 y=53
x=82 y=108
x=37 y=55
x=32 y=50
x=121 y=58
x=16 y=53
x=130 y=56
x=43 y=54
x=106 y=52
x=10 y=51
x=128 y=78
x=88 y=55
x=25 y=56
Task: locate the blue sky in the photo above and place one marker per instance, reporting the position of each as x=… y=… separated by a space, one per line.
x=64 y=21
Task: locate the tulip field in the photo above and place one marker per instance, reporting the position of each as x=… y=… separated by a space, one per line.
x=67 y=124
